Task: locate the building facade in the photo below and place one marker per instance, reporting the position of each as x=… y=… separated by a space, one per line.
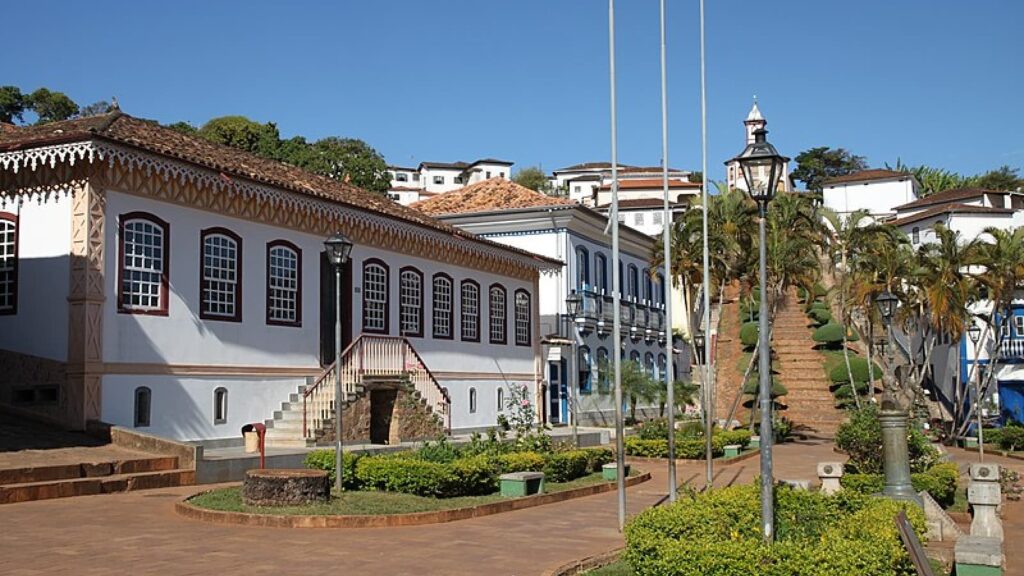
x=733 y=174
x=877 y=191
x=410 y=185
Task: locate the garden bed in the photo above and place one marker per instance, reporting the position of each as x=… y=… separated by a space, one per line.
x=371 y=509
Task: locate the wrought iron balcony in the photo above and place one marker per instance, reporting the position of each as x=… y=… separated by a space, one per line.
x=1012 y=349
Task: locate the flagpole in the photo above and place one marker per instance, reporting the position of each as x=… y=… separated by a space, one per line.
x=709 y=397
x=667 y=246
x=616 y=281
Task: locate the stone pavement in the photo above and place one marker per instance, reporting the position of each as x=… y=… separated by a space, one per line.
x=139 y=533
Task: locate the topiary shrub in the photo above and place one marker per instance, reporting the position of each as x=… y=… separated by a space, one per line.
x=740 y=436
x=1011 y=437
x=753 y=386
x=324 y=460
x=821 y=317
x=474 y=476
x=831 y=335
x=819 y=305
x=520 y=462
x=717 y=533
x=748 y=334
x=861 y=439
x=859 y=368
x=819 y=290
x=566 y=466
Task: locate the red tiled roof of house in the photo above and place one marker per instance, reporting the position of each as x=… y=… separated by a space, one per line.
x=652 y=183
x=951 y=208
x=493 y=194
x=868 y=176
x=947 y=196
x=150 y=136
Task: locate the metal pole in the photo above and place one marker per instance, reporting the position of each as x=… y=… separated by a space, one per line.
x=620 y=454
x=764 y=372
x=708 y=384
x=574 y=381
x=338 y=398
x=977 y=408
x=666 y=241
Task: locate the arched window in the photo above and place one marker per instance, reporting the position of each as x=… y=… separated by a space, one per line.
x=470 y=311
x=662 y=368
x=648 y=288
x=661 y=288
x=375 y=297
x=501 y=399
x=444 y=308
x=583 y=367
x=633 y=288
x=410 y=311
x=634 y=356
x=472 y=400
x=523 y=324
x=144 y=264
x=582 y=269
x=284 y=284
x=601 y=263
x=220 y=406
x=8 y=263
x=649 y=365
x=143 y=405
x=220 y=286
x=603 y=371
x=498 y=315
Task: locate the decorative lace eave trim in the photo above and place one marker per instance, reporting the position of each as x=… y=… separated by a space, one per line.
x=169 y=169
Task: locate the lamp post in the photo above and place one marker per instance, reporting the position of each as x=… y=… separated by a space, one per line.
x=338 y=248
x=893 y=418
x=762 y=168
x=572 y=305
x=975 y=334
x=699 y=348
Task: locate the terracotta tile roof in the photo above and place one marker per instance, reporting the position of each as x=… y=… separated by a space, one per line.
x=868 y=176
x=150 y=136
x=486 y=196
x=645 y=183
x=639 y=203
x=404 y=189
x=951 y=208
x=947 y=196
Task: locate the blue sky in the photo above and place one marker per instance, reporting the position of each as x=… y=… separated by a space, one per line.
x=939 y=82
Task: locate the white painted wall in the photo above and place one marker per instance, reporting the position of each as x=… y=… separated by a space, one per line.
x=970 y=226
x=44 y=246
x=449 y=174
x=877 y=197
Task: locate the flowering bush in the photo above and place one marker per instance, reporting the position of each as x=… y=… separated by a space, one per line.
x=521 y=415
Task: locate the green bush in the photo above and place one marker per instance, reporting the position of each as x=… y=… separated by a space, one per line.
x=832 y=335
x=686 y=447
x=821 y=317
x=598 y=457
x=861 y=439
x=406 y=475
x=748 y=334
x=940 y=481
x=324 y=460
x=752 y=387
x=440 y=450
x=520 y=462
x=819 y=305
x=653 y=429
x=993 y=435
x=717 y=533
x=566 y=466
x=740 y=436
x=819 y=290
x=474 y=476
x=859 y=367
x=1011 y=437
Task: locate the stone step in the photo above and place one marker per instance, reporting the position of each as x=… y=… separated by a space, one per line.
x=87 y=470
x=30 y=491
x=283 y=442
x=282 y=415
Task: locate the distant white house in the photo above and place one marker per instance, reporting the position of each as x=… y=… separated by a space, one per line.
x=410 y=185
x=584 y=182
x=877 y=191
x=967 y=211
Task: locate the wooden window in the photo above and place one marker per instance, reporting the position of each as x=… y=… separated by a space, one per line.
x=144 y=264
x=143 y=406
x=220 y=406
x=375 y=297
x=582 y=269
x=915 y=235
x=410 y=295
x=583 y=367
x=501 y=399
x=470 y=311
x=220 y=279
x=498 y=315
x=523 y=323
x=8 y=263
x=603 y=371
x=284 y=284
x=633 y=289
x=601 y=263
x=444 y=309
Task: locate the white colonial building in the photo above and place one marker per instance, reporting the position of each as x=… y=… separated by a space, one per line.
x=157 y=281
x=733 y=173
x=559 y=229
x=584 y=183
x=877 y=191
x=410 y=185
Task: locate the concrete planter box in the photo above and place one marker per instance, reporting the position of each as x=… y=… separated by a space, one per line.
x=970 y=442
x=755 y=442
x=610 y=471
x=732 y=450
x=518 y=484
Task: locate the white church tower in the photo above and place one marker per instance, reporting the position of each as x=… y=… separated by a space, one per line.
x=734 y=177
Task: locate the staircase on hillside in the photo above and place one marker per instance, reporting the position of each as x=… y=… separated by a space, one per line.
x=811 y=405
x=308 y=414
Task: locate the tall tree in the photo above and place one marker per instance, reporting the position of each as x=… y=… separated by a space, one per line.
x=183 y=127
x=95 y=109
x=817 y=165
x=12 y=104
x=243 y=133
x=51 y=106
x=347 y=160
x=1002 y=178
x=534 y=178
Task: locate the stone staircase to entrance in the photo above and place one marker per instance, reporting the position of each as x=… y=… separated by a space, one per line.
x=800 y=368
x=286 y=428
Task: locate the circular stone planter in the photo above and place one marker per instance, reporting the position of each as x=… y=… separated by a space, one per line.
x=185 y=508
x=285 y=487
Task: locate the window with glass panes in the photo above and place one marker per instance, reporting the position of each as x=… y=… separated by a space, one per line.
x=470 y=311
x=8 y=263
x=498 y=313
x=375 y=297
x=143 y=264
x=522 y=306
x=410 y=311
x=221 y=281
x=443 y=306
x=284 y=286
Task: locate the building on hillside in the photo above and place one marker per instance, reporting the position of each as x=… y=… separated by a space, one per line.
x=875 y=190
x=966 y=210
x=642 y=204
x=154 y=280
x=583 y=182
x=733 y=174
x=410 y=185
x=560 y=229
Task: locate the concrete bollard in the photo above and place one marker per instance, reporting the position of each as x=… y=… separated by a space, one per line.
x=978 y=556
x=985 y=495
x=755 y=442
x=829 y=473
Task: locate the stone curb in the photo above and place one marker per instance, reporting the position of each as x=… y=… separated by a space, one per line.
x=587 y=564
x=393 y=520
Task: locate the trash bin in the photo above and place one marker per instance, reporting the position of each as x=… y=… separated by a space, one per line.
x=252 y=442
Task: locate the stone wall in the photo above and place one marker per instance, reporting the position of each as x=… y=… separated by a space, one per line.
x=22 y=374
x=410 y=419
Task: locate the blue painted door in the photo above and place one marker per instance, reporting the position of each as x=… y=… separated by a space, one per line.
x=1011 y=401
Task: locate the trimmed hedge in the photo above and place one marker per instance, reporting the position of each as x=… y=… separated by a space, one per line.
x=324 y=460
x=819 y=305
x=566 y=466
x=832 y=335
x=859 y=367
x=520 y=462
x=687 y=448
x=748 y=334
x=821 y=317
x=1011 y=437
x=940 y=481
x=407 y=475
x=752 y=386
x=717 y=533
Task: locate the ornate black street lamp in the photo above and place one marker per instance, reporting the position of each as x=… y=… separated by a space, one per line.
x=893 y=418
x=338 y=248
x=762 y=168
x=974 y=332
x=574 y=309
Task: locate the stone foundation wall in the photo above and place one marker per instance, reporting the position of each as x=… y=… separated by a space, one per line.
x=25 y=374
x=410 y=420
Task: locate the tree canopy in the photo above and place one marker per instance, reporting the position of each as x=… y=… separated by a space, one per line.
x=12 y=104
x=51 y=106
x=816 y=165
x=534 y=178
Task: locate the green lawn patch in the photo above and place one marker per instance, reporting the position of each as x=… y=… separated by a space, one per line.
x=618 y=568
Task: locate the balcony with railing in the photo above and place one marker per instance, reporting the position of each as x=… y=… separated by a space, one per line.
x=1011 y=349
